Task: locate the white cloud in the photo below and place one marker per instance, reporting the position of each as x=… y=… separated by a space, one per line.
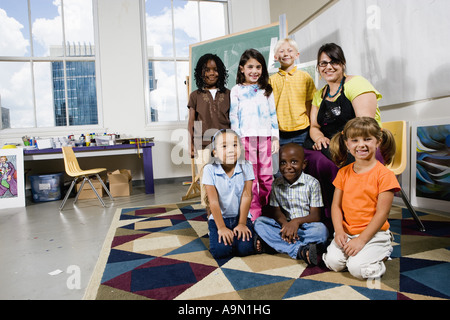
x=78 y=25
x=12 y=41
x=186 y=19
x=212 y=27
x=159 y=32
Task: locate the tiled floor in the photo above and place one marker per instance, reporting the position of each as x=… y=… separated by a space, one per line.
x=38 y=239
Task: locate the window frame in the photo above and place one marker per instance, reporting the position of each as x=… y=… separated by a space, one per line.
x=175 y=59
x=31 y=59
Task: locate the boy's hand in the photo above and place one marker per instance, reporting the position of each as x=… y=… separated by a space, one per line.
x=289 y=231
x=226 y=236
x=241 y=230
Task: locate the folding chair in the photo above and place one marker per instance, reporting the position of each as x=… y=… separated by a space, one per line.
x=398 y=129
x=73 y=170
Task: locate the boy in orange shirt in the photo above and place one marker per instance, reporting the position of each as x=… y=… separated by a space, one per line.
x=362 y=200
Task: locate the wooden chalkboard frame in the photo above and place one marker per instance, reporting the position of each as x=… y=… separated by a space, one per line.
x=261 y=40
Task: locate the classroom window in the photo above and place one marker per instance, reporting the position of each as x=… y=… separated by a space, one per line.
x=47 y=63
x=171 y=26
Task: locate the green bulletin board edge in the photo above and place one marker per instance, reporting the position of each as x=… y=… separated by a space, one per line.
x=219 y=45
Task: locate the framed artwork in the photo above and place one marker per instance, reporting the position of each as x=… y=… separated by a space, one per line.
x=430 y=164
x=12 y=189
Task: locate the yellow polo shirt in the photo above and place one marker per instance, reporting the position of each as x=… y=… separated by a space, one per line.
x=291 y=90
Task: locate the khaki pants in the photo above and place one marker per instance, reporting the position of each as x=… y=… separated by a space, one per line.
x=203 y=158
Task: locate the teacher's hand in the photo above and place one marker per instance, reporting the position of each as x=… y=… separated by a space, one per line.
x=320 y=143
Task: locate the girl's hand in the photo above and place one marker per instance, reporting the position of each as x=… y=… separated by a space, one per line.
x=320 y=143
x=352 y=247
x=275 y=146
x=241 y=230
x=226 y=236
x=341 y=239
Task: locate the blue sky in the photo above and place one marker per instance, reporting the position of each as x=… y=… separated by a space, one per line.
x=18 y=9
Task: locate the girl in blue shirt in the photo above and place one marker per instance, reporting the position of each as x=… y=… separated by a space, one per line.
x=228 y=181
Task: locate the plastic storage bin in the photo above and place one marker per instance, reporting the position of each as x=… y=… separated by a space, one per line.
x=47 y=187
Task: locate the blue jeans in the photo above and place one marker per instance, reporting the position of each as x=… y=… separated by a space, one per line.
x=269 y=230
x=298 y=137
x=239 y=248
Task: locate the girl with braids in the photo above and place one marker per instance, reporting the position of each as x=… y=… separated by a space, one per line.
x=364 y=191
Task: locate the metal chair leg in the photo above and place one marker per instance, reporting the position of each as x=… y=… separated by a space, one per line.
x=67 y=194
x=412 y=211
x=104 y=187
x=79 y=190
x=95 y=191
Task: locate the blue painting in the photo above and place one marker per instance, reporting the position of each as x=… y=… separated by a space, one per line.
x=433 y=162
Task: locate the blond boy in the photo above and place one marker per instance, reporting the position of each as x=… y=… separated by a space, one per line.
x=293 y=92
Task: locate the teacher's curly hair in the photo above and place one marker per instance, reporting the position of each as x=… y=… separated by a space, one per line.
x=200 y=70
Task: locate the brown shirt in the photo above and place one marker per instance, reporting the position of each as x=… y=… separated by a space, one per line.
x=209 y=114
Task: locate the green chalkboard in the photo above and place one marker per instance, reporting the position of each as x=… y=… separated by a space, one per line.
x=231 y=47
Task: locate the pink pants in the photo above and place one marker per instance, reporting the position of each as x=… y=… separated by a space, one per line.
x=258 y=150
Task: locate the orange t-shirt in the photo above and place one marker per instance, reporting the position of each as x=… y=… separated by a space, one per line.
x=360 y=195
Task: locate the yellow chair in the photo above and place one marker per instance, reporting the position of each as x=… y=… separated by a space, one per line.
x=398 y=129
x=73 y=170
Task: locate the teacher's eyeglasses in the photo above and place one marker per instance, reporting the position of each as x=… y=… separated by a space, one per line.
x=324 y=63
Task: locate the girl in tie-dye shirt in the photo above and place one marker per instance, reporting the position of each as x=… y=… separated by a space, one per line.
x=253 y=116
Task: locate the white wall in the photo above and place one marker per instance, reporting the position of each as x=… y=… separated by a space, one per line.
x=249 y=14
x=121 y=66
x=297 y=12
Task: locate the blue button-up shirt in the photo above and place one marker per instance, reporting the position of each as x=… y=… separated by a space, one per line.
x=229 y=189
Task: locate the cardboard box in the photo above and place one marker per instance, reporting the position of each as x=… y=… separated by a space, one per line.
x=120 y=183
x=87 y=192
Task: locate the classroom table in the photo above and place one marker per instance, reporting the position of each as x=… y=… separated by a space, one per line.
x=97 y=151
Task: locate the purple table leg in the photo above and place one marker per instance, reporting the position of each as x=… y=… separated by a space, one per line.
x=148 y=170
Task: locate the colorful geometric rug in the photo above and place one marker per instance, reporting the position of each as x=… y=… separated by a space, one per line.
x=161 y=253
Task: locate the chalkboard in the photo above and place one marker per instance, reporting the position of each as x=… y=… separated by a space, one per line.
x=230 y=48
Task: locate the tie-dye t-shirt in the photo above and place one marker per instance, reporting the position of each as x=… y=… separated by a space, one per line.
x=252 y=114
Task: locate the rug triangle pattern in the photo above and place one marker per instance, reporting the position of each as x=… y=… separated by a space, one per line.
x=162 y=253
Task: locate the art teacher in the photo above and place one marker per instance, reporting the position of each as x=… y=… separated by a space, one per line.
x=343 y=98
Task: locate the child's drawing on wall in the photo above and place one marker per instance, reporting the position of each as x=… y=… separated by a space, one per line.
x=8 y=184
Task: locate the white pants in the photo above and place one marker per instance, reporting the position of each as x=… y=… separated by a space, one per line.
x=368 y=263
